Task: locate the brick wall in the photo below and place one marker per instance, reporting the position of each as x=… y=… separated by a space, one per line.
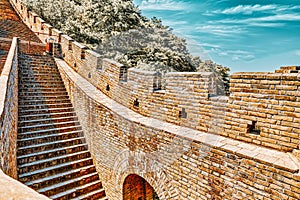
x=178 y=162
x=272 y=101
x=9 y=112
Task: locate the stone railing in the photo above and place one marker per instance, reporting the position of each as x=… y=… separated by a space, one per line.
x=9 y=112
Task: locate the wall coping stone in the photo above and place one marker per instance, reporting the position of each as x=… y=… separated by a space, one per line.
x=281 y=160
x=81 y=46
x=143 y=72
x=67 y=37
x=57 y=31
x=112 y=62
x=41 y=20
x=93 y=53
x=186 y=74
x=5 y=73
x=47 y=25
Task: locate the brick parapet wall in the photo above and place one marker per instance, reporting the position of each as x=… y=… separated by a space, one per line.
x=180 y=163
x=273 y=101
x=257 y=100
x=9 y=112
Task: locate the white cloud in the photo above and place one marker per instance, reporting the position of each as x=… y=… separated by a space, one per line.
x=174 y=23
x=297 y=52
x=235 y=55
x=280 y=17
x=163 y=5
x=250 y=9
x=265 y=24
x=241 y=55
x=272 y=18
x=220 y=30
x=210 y=45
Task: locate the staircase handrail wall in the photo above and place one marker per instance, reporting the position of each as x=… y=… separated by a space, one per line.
x=9 y=112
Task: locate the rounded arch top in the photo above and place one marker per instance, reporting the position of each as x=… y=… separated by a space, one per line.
x=136 y=187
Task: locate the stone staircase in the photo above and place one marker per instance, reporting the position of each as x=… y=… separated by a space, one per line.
x=53 y=157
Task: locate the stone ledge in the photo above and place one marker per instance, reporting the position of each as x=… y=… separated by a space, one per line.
x=143 y=72
x=264 y=155
x=189 y=74
x=5 y=73
x=13 y=189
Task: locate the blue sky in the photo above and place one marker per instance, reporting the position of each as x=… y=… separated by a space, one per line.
x=243 y=35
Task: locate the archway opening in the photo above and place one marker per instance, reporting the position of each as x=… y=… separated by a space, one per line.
x=137 y=188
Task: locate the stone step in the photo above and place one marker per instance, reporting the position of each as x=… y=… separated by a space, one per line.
x=32 y=166
x=96 y=194
x=41 y=86
x=43 y=93
x=38 y=78
x=50 y=153
x=44 y=106
x=46 y=63
x=51 y=75
x=37 y=65
x=26 y=98
x=49 y=145
x=35 y=57
x=77 y=191
x=46 y=73
x=60 y=177
x=45 y=116
x=48 y=138
x=52 y=170
x=29 y=81
x=32 y=57
x=40 y=60
x=47 y=101
x=37 y=69
x=46 y=120
x=45 y=110
x=63 y=185
x=39 y=90
x=49 y=131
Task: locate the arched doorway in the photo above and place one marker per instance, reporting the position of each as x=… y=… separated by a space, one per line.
x=137 y=188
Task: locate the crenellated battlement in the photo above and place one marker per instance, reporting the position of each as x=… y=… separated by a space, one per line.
x=263 y=108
